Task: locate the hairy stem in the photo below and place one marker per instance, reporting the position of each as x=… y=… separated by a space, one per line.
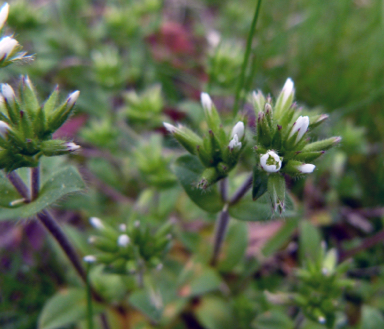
x=35 y=182
x=221 y=224
x=246 y=58
x=243 y=189
x=19 y=185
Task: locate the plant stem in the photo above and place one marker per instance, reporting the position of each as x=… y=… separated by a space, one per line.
x=221 y=224
x=19 y=185
x=89 y=299
x=35 y=182
x=243 y=189
x=246 y=58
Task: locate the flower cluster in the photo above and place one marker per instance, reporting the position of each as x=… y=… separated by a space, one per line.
x=282 y=143
x=131 y=247
x=218 y=151
x=10 y=49
x=26 y=127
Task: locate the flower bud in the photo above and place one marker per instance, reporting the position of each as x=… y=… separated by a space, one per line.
x=238 y=130
x=285 y=99
x=186 y=137
x=234 y=144
x=322 y=145
x=72 y=98
x=71 y=147
x=123 y=240
x=96 y=223
x=4 y=14
x=270 y=162
x=306 y=168
x=258 y=101
x=7 y=46
x=300 y=127
x=8 y=93
x=276 y=189
x=89 y=259
x=4 y=127
x=206 y=102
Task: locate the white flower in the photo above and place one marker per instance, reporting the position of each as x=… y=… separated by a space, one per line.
x=123 y=240
x=300 y=126
x=234 y=144
x=306 y=168
x=270 y=162
x=96 y=223
x=8 y=93
x=213 y=38
x=206 y=101
x=89 y=259
x=7 y=45
x=3 y=14
x=321 y=319
x=122 y=227
x=72 y=98
x=287 y=90
x=171 y=128
x=72 y=147
x=238 y=130
x=4 y=127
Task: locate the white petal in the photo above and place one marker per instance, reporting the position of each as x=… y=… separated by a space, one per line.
x=89 y=259
x=171 y=128
x=288 y=89
x=4 y=127
x=7 y=44
x=123 y=240
x=8 y=92
x=72 y=147
x=306 y=168
x=206 y=102
x=270 y=167
x=238 y=130
x=3 y=14
x=96 y=223
x=72 y=98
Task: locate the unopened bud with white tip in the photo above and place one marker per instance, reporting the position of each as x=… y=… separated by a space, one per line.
x=306 y=168
x=123 y=240
x=71 y=147
x=72 y=98
x=7 y=46
x=288 y=90
x=300 y=127
x=96 y=223
x=234 y=144
x=4 y=14
x=89 y=259
x=238 y=130
x=8 y=93
x=170 y=128
x=4 y=127
x=206 y=102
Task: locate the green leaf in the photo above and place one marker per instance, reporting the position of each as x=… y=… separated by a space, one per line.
x=64 y=308
x=188 y=170
x=65 y=181
x=7 y=192
x=310 y=242
x=142 y=301
x=259 y=210
x=214 y=313
x=273 y=320
x=281 y=237
x=235 y=245
x=371 y=318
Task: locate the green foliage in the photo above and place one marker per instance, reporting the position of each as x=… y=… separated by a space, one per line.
x=56 y=186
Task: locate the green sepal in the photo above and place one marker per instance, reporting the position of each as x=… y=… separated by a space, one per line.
x=215 y=147
x=58 y=117
x=315 y=121
x=322 y=145
x=287 y=116
x=264 y=132
x=26 y=125
x=258 y=101
x=204 y=156
x=291 y=168
x=188 y=139
x=28 y=97
x=53 y=147
x=277 y=138
x=276 y=189
x=39 y=124
x=259 y=183
x=104 y=244
x=209 y=177
x=50 y=103
x=308 y=156
x=12 y=110
x=213 y=119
